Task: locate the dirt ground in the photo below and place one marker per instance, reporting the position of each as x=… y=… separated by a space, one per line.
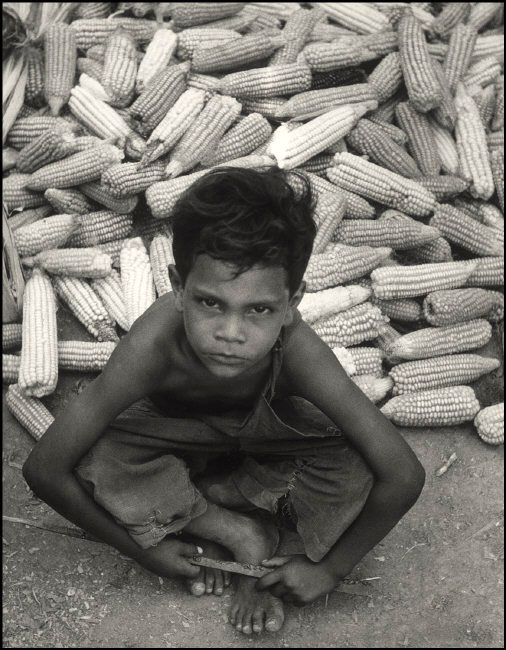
x=436 y=581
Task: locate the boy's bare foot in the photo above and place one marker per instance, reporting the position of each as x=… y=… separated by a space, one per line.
x=254 y=611
x=210 y=581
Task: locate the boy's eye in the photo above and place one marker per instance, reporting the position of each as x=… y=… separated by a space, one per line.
x=208 y=302
x=261 y=309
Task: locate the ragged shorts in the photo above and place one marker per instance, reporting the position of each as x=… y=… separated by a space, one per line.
x=142 y=469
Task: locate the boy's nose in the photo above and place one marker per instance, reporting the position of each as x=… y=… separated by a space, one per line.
x=231 y=331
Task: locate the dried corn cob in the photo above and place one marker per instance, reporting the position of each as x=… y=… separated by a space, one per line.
x=460 y=49
x=488 y=272
x=239 y=23
x=126 y=179
x=397 y=234
x=445 y=113
x=27 y=111
x=411 y=281
x=459 y=228
x=26 y=129
x=328 y=213
x=158 y=55
x=92 y=68
x=74 y=262
x=11 y=336
x=160 y=95
x=432 y=408
x=260 y=83
x=333 y=78
x=292 y=149
x=10 y=368
x=120 y=68
x=235 y=54
x=495 y=140
x=459 y=305
x=203 y=134
x=393 y=132
x=373 y=182
x=100 y=227
x=436 y=341
x=175 y=123
x=47 y=148
x=492 y=44
x=27 y=217
x=322 y=304
x=110 y=292
x=102 y=195
x=15 y=194
x=160 y=255
x=34 y=89
x=314 y=102
x=78 y=168
x=386 y=336
x=446 y=147
x=489 y=423
x=350 y=327
x=9 y=158
x=344 y=53
x=51 y=232
x=189 y=39
x=483 y=72
x=38 y=369
x=367 y=360
x=296 y=32
x=369 y=139
x=68 y=201
x=447 y=370
x=240 y=140
x=86 y=306
x=93 y=9
x=85 y=356
x=319 y=164
x=188 y=14
x=493 y=217
x=472 y=146
x=423 y=87
x=103 y=120
x=267 y=107
x=356 y=206
x=421 y=142
x=374 y=388
x=346 y=360
x=113 y=249
x=444 y=187
x=498 y=119
x=205 y=82
x=403 y=309
x=95 y=31
x=453 y=14
x=386 y=77
x=136 y=279
x=482 y=13
x=386 y=111
x=497 y=166
x=60 y=54
x=363 y=19
x=484 y=98
x=340 y=263
x=29 y=411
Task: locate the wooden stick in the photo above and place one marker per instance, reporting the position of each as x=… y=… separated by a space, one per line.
x=252 y=570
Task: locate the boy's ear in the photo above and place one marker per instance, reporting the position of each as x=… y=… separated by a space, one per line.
x=294 y=302
x=177 y=286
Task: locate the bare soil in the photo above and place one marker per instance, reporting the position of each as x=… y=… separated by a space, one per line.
x=435 y=581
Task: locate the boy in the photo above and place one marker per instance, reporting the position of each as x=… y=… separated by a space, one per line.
x=235 y=418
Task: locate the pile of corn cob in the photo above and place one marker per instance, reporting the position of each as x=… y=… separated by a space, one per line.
x=394 y=110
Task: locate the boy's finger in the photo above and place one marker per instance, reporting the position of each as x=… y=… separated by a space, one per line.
x=190 y=549
x=268 y=580
x=276 y=561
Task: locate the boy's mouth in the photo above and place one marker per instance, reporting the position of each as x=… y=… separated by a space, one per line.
x=227 y=359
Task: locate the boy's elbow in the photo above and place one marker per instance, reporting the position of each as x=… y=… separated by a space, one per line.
x=412 y=483
x=37 y=474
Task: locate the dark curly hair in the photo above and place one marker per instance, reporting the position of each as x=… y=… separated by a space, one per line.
x=246 y=217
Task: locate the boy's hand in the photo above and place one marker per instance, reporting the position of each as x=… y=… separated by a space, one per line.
x=169 y=559
x=297 y=579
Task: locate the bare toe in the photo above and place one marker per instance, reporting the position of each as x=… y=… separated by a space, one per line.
x=275 y=615
x=197 y=586
x=218 y=583
x=258 y=620
x=209 y=581
x=246 y=623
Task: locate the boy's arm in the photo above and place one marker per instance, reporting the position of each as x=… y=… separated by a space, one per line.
x=131 y=372
x=313 y=372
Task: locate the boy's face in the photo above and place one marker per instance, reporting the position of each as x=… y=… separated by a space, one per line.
x=232 y=322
